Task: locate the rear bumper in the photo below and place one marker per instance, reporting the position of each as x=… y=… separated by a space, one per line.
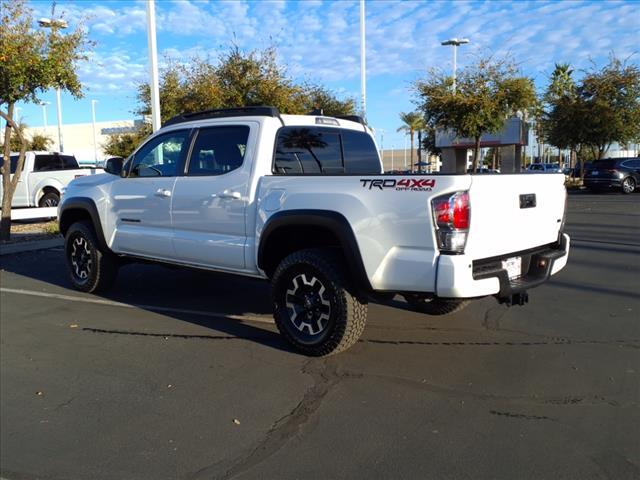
x=460 y=277
x=603 y=182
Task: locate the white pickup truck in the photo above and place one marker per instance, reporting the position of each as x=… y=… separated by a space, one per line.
x=302 y=200
x=44 y=176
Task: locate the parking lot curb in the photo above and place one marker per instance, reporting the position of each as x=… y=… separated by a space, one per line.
x=10 y=249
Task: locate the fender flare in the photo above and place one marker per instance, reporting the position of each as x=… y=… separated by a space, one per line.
x=332 y=221
x=87 y=205
x=46 y=183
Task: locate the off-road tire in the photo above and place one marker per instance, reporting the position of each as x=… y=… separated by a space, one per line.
x=49 y=199
x=94 y=269
x=322 y=270
x=628 y=185
x=435 y=306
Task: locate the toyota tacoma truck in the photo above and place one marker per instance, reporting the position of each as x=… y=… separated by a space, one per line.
x=44 y=176
x=301 y=200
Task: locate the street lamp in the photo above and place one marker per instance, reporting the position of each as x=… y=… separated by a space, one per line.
x=93 y=121
x=455 y=43
x=363 y=67
x=44 y=114
x=56 y=23
x=153 y=64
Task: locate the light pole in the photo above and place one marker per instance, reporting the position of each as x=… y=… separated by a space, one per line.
x=363 y=66
x=95 y=138
x=405 y=150
x=382 y=145
x=61 y=24
x=455 y=42
x=393 y=147
x=153 y=64
x=44 y=115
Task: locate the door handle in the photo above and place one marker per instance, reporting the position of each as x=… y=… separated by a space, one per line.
x=229 y=194
x=161 y=192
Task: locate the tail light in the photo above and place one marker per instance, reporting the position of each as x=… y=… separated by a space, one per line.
x=451 y=216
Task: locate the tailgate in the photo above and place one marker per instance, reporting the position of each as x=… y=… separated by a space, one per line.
x=511 y=213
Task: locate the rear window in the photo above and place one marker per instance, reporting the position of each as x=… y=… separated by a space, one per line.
x=53 y=161
x=360 y=153
x=317 y=150
x=14 y=162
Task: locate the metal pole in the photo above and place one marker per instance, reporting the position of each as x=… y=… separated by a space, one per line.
x=59 y=107
x=44 y=116
x=363 y=66
x=392 y=149
x=405 y=151
x=455 y=61
x=95 y=138
x=153 y=64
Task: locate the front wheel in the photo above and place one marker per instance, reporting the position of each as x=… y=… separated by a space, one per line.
x=90 y=268
x=315 y=307
x=628 y=185
x=435 y=306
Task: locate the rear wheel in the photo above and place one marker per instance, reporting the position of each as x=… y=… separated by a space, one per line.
x=49 y=199
x=315 y=307
x=435 y=306
x=90 y=268
x=628 y=185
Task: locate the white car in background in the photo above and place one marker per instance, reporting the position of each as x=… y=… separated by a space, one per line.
x=44 y=177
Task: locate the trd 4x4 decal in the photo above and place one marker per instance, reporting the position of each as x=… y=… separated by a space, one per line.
x=410 y=184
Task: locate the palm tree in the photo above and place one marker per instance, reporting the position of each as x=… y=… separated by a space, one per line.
x=413 y=122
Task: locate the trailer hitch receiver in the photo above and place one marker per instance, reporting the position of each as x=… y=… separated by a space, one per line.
x=515 y=299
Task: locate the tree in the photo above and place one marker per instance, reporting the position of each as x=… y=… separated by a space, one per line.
x=611 y=100
x=412 y=122
x=37 y=142
x=40 y=142
x=588 y=116
x=237 y=79
x=487 y=93
x=31 y=62
x=123 y=144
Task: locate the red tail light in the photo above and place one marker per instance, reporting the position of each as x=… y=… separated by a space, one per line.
x=461 y=210
x=452 y=216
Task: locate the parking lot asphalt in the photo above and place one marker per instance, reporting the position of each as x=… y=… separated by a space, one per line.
x=181 y=374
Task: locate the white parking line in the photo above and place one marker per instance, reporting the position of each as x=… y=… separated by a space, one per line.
x=155 y=308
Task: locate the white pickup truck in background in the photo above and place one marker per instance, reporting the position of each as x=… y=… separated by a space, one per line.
x=44 y=177
x=302 y=200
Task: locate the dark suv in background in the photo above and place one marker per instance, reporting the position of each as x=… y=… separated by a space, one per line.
x=618 y=173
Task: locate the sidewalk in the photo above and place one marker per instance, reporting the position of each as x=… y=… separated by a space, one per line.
x=21 y=247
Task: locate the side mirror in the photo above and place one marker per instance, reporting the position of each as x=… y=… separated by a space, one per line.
x=114 y=165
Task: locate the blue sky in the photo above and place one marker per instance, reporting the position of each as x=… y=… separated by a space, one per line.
x=319 y=40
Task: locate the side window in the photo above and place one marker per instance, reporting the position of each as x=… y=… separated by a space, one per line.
x=360 y=154
x=218 y=150
x=14 y=162
x=160 y=156
x=68 y=162
x=47 y=163
x=308 y=150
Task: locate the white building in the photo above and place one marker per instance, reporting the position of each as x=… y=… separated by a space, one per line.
x=78 y=138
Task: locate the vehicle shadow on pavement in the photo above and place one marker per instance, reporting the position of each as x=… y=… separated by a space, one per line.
x=212 y=300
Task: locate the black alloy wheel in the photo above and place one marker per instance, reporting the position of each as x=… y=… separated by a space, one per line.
x=90 y=268
x=315 y=306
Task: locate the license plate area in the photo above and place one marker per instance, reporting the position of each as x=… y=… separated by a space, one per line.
x=513 y=266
